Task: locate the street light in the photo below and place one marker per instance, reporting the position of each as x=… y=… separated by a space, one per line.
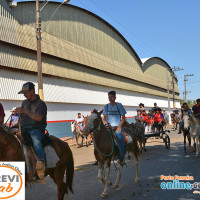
x=39 y=38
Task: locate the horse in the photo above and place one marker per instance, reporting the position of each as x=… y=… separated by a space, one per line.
x=175 y=121
x=139 y=131
x=186 y=132
x=195 y=132
x=78 y=133
x=105 y=150
x=11 y=149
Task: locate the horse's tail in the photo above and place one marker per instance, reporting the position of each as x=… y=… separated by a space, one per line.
x=70 y=171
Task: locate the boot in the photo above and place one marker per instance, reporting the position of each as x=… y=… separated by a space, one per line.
x=40 y=167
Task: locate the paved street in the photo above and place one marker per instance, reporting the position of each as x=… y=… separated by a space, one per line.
x=155 y=162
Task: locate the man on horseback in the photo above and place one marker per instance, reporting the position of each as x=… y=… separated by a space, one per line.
x=114 y=115
x=176 y=112
x=2 y=114
x=79 y=121
x=196 y=109
x=33 y=121
x=184 y=111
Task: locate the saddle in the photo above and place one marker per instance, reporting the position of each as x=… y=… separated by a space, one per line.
x=127 y=137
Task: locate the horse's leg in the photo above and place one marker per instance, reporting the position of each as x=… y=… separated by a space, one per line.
x=86 y=141
x=136 y=166
x=189 y=140
x=106 y=179
x=57 y=177
x=119 y=169
x=197 y=147
x=184 y=134
x=100 y=173
x=144 y=142
x=194 y=145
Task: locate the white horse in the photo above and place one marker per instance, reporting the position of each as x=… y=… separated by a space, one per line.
x=77 y=132
x=195 y=132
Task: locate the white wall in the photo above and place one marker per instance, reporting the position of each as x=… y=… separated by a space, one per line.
x=65 y=98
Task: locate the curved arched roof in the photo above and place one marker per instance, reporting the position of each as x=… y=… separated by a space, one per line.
x=79 y=45
x=98 y=17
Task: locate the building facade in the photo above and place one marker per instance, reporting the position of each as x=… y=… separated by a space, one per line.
x=83 y=58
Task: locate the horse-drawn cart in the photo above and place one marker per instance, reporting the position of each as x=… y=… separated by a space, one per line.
x=160 y=135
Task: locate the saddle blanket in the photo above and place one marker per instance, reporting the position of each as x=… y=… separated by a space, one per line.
x=50 y=154
x=127 y=138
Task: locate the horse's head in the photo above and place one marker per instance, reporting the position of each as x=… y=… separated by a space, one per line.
x=73 y=127
x=93 y=122
x=186 y=122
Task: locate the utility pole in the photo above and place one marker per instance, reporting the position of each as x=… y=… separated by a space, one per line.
x=185 y=80
x=174 y=69
x=169 y=110
x=39 y=38
x=39 y=56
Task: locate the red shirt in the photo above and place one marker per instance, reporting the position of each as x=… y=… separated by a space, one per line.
x=144 y=117
x=149 y=121
x=2 y=114
x=157 y=117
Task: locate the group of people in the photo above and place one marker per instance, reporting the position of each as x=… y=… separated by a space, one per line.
x=155 y=118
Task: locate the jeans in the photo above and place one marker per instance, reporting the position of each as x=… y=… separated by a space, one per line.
x=81 y=126
x=181 y=124
x=37 y=137
x=120 y=140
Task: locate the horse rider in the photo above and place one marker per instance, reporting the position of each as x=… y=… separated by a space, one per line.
x=196 y=109
x=79 y=121
x=157 y=119
x=176 y=112
x=14 y=118
x=2 y=114
x=184 y=111
x=33 y=112
x=114 y=115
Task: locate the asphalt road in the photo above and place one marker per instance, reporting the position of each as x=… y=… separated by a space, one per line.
x=155 y=162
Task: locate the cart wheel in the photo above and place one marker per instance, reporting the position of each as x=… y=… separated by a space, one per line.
x=167 y=141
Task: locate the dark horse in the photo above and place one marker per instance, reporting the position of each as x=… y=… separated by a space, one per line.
x=175 y=120
x=105 y=150
x=11 y=150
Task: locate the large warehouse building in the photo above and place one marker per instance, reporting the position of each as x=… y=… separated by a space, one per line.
x=83 y=57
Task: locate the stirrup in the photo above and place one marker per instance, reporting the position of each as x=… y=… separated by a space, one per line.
x=40 y=167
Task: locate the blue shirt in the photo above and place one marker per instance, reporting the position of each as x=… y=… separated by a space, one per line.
x=114 y=113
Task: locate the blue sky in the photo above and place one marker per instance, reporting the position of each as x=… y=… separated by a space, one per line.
x=169 y=29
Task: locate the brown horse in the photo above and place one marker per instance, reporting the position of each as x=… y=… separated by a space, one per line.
x=105 y=150
x=175 y=120
x=11 y=150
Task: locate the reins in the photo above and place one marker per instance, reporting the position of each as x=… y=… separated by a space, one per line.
x=106 y=155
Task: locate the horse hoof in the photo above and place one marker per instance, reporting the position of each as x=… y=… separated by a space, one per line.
x=109 y=183
x=145 y=150
x=66 y=197
x=103 y=195
x=115 y=186
x=137 y=180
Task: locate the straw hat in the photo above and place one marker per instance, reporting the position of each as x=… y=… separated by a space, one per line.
x=13 y=109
